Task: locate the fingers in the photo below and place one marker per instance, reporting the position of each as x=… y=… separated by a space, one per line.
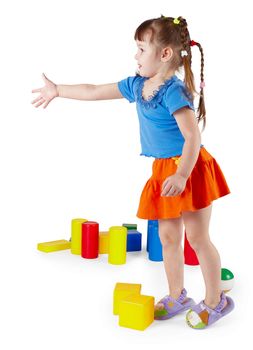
x=166 y=189
x=165 y=183
x=46 y=80
x=171 y=193
x=36 y=90
x=46 y=104
x=36 y=100
x=41 y=101
x=169 y=189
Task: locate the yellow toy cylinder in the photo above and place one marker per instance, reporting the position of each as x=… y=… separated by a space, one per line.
x=76 y=235
x=117 y=245
x=103 y=242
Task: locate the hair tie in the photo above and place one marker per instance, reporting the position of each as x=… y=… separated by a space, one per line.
x=202 y=85
x=184 y=53
x=192 y=43
x=176 y=21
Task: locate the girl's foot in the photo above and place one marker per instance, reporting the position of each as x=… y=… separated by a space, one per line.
x=168 y=307
x=213 y=306
x=202 y=316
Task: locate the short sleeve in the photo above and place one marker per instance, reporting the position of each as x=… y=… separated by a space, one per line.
x=127 y=87
x=177 y=97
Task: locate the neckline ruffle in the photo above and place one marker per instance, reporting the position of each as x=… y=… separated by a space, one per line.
x=157 y=95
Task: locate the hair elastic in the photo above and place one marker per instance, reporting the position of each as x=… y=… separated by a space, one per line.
x=184 y=53
x=192 y=43
x=176 y=21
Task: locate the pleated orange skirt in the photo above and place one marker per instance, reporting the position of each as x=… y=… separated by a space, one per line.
x=205 y=184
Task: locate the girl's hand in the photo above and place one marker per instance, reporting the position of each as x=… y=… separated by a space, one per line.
x=47 y=93
x=173 y=185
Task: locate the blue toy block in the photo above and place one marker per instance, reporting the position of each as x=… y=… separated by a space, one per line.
x=150 y=225
x=133 y=241
x=154 y=246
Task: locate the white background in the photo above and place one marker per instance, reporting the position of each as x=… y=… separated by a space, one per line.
x=81 y=159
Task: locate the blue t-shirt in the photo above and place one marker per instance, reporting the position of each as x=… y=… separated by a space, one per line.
x=160 y=135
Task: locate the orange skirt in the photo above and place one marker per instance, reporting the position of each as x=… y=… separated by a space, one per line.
x=205 y=184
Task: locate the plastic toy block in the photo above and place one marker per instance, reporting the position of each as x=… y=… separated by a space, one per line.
x=90 y=239
x=153 y=242
x=190 y=257
x=103 y=242
x=136 y=311
x=117 y=245
x=76 y=235
x=133 y=241
x=151 y=223
x=122 y=290
x=130 y=226
x=54 y=246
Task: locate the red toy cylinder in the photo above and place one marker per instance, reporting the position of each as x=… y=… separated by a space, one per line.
x=190 y=257
x=90 y=239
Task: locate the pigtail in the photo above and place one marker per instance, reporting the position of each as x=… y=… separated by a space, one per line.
x=189 y=77
x=201 y=107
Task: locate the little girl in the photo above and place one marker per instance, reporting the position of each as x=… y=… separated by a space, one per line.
x=185 y=177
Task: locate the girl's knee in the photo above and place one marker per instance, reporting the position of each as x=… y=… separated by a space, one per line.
x=198 y=240
x=170 y=232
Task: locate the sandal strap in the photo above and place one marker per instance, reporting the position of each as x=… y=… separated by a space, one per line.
x=182 y=296
x=171 y=304
x=220 y=306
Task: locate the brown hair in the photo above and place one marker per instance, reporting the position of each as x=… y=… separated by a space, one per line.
x=165 y=32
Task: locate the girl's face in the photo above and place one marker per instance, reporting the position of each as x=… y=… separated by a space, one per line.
x=149 y=62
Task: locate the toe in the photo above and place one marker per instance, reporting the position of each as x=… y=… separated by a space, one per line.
x=159 y=307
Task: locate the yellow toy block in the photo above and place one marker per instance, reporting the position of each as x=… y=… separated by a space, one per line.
x=103 y=242
x=121 y=291
x=76 y=235
x=117 y=245
x=136 y=311
x=54 y=246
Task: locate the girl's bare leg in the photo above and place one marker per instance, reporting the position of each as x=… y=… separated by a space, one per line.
x=170 y=233
x=197 y=231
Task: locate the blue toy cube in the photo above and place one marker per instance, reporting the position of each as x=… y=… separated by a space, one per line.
x=133 y=241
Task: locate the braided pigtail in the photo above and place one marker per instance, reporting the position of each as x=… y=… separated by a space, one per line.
x=186 y=56
x=189 y=77
x=201 y=108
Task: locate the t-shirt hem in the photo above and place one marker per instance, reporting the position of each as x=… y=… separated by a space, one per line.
x=176 y=108
x=162 y=156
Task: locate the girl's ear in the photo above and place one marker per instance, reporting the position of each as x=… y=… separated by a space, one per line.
x=166 y=54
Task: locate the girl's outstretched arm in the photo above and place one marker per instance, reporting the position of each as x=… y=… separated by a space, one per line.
x=89 y=92
x=86 y=92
